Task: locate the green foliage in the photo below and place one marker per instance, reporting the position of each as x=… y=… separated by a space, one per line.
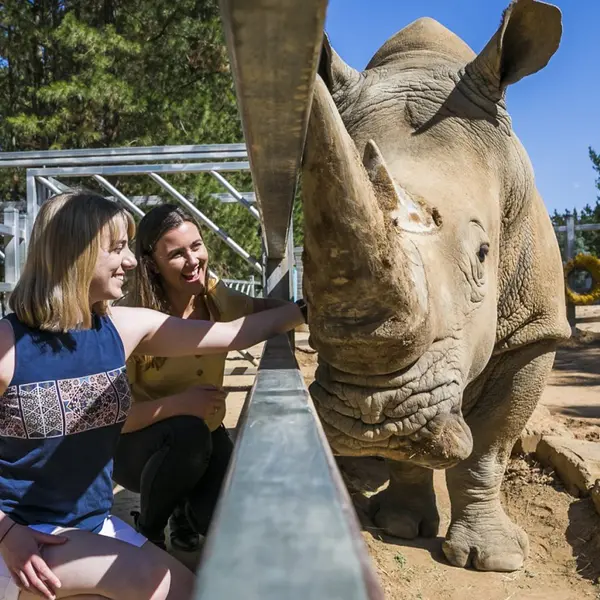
x=102 y=73
x=97 y=73
x=586 y=242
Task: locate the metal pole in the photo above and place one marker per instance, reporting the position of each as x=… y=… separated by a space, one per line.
x=122 y=197
x=32 y=202
x=235 y=194
x=49 y=184
x=224 y=236
x=23 y=240
x=12 y=261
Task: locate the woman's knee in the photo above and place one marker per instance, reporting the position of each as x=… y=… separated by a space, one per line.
x=191 y=436
x=156 y=578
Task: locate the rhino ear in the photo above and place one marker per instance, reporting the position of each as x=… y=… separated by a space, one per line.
x=334 y=71
x=527 y=38
x=406 y=214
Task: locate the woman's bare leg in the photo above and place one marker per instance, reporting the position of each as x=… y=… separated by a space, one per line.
x=92 y=566
x=86 y=597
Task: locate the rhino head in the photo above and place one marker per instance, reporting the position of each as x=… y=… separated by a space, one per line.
x=427 y=246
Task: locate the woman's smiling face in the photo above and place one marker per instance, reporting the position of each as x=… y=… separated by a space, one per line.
x=181 y=259
x=114 y=259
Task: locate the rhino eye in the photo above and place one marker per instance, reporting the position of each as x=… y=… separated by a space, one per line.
x=483 y=252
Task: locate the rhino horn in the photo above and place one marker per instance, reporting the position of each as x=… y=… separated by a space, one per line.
x=339 y=202
x=352 y=242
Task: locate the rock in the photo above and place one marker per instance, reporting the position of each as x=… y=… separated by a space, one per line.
x=540 y=424
x=577 y=462
x=595 y=494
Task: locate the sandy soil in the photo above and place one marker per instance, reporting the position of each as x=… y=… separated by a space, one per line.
x=564 y=558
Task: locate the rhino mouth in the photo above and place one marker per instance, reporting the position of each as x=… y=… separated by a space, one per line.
x=416 y=417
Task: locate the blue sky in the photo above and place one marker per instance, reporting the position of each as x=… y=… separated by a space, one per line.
x=555 y=112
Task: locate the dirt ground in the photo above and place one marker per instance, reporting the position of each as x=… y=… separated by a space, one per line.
x=564 y=532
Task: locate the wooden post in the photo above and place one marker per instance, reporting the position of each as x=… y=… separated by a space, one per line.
x=571 y=311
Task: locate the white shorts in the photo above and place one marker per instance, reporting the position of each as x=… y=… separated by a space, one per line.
x=113 y=527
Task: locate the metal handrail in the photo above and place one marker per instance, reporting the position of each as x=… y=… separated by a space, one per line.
x=285 y=526
x=89 y=170
x=207 y=150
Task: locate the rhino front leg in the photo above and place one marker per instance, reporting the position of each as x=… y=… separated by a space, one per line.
x=480 y=533
x=407 y=507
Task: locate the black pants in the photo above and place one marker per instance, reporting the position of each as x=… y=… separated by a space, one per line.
x=174 y=462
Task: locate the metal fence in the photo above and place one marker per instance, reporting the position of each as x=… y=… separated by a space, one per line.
x=249 y=287
x=50 y=172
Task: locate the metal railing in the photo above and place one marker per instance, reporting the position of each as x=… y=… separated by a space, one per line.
x=249 y=287
x=285 y=527
x=129 y=154
x=49 y=172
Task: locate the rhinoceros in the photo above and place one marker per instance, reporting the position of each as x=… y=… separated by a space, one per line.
x=432 y=274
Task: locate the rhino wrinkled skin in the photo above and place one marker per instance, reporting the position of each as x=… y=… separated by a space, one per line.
x=432 y=272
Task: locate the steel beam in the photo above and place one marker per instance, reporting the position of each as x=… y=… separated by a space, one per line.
x=208 y=151
x=285 y=527
x=273 y=48
x=90 y=170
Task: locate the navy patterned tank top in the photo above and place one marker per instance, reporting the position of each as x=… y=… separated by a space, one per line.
x=60 y=421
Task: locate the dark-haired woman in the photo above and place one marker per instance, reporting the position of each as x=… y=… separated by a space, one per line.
x=174 y=449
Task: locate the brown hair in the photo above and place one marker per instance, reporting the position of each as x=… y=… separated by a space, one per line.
x=147 y=290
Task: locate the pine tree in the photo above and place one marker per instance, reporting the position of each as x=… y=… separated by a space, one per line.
x=102 y=73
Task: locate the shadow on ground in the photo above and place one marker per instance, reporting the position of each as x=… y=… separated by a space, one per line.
x=577 y=361
x=585 y=539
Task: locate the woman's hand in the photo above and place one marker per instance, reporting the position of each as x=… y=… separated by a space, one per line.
x=202 y=401
x=20 y=549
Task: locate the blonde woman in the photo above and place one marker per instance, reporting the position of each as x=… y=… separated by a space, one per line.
x=65 y=397
x=174 y=450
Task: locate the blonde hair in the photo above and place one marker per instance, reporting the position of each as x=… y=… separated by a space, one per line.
x=53 y=291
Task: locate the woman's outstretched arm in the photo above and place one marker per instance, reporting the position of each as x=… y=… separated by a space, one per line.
x=153 y=333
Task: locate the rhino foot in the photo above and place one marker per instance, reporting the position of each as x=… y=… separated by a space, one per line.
x=406 y=523
x=407 y=507
x=486 y=542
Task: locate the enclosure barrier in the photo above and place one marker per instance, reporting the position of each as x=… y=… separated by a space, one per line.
x=285 y=527
x=570 y=228
x=44 y=181
x=99 y=164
